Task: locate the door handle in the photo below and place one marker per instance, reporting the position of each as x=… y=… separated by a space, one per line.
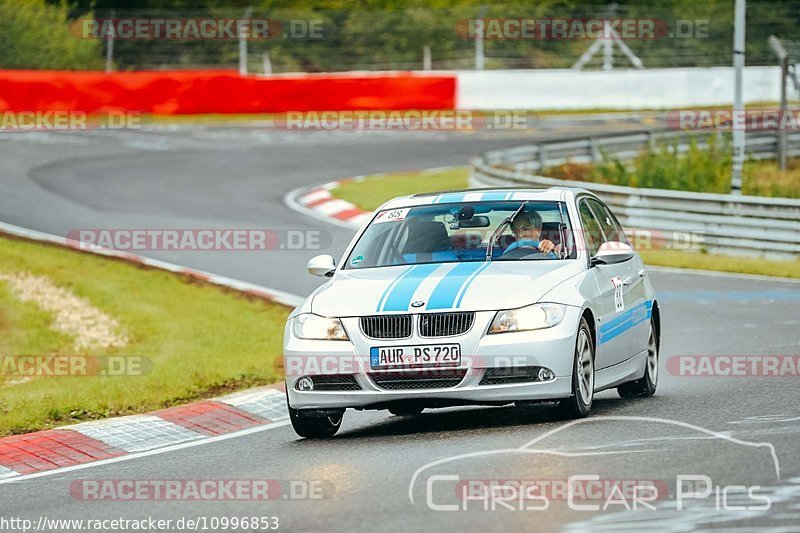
x=629 y=280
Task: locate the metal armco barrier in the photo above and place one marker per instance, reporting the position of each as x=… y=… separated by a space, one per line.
x=717 y=223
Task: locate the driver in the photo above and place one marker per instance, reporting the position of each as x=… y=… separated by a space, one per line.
x=527 y=227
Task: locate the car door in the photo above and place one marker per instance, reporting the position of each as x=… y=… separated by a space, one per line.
x=638 y=307
x=621 y=289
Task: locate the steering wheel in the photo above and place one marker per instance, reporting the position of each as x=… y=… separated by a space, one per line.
x=523 y=253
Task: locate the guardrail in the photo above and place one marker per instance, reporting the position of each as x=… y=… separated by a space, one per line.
x=717 y=223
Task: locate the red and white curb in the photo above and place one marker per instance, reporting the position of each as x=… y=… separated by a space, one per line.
x=88 y=442
x=318 y=202
x=69 y=446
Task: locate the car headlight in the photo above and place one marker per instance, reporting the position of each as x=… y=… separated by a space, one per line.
x=536 y=316
x=310 y=326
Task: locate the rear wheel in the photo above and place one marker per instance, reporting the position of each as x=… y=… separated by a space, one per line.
x=645 y=387
x=580 y=401
x=313 y=424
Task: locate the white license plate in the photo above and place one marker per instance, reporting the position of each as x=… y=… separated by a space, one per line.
x=415 y=356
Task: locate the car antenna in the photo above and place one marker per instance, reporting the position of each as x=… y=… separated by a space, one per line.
x=496 y=233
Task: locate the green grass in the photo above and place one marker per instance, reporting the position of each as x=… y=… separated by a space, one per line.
x=374 y=190
x=371 y=192
x=200 y=339
x=721 y=263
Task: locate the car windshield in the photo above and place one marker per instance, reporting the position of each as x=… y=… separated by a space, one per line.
x=461 y=232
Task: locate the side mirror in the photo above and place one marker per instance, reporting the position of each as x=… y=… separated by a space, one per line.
x=321 y=265
x=611 y=253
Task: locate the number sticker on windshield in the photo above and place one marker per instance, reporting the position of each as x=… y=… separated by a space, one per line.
x=395 y=215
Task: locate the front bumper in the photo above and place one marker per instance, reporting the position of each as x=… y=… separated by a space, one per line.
x=552 y=348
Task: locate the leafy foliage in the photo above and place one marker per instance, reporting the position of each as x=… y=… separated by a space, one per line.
x=35 y=34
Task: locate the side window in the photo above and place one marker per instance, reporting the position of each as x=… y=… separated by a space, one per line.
x=592 y=233
x=610 y=226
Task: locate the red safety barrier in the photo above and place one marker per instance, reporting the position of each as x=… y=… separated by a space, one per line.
x=214 y=91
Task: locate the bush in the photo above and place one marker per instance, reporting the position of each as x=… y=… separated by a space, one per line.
x=698 y=169
x=37 y=35
x=662 y=167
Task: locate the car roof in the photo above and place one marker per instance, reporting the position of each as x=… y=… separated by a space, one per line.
x=487 y=194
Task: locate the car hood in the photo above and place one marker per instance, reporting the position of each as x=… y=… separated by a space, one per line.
x=473 y=286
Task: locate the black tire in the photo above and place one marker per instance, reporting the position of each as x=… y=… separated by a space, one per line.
x=646 y=386
x=406 y=410
x=578 y=405
x=312 y=426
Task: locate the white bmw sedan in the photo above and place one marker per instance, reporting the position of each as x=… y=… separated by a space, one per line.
x=489 y=296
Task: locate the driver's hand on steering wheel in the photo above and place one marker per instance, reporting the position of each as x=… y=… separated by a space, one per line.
x=546 y=246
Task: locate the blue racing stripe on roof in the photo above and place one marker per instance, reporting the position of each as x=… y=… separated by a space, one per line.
x=445 y=292
x=399 y=297
x=494 y=195
x=450 y=197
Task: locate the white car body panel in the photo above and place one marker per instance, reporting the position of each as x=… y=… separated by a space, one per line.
x=483 y=288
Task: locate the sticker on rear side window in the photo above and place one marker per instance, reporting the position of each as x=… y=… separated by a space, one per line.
x=395 y=215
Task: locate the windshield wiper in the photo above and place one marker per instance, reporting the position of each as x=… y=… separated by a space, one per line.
x=496 y=233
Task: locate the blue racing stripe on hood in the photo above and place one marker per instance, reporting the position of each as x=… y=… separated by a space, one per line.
x=474 y=275
x=445 y=292
x=399 y=298
x=391 y=286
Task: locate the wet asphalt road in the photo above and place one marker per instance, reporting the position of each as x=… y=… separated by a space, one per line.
x=237 y=177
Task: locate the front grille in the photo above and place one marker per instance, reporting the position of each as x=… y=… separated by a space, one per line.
x=335 y=382
x=445 y=324
x=508 y=375
x=429 y=379
x=386 y=326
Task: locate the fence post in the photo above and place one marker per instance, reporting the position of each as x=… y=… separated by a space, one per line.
x=596 y=154
x=542 y=157
x=110 y=44
x=244 y=32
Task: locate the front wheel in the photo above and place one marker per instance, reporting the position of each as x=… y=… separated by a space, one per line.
x=580 y=401
x=645 y=387
x=313 y=425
